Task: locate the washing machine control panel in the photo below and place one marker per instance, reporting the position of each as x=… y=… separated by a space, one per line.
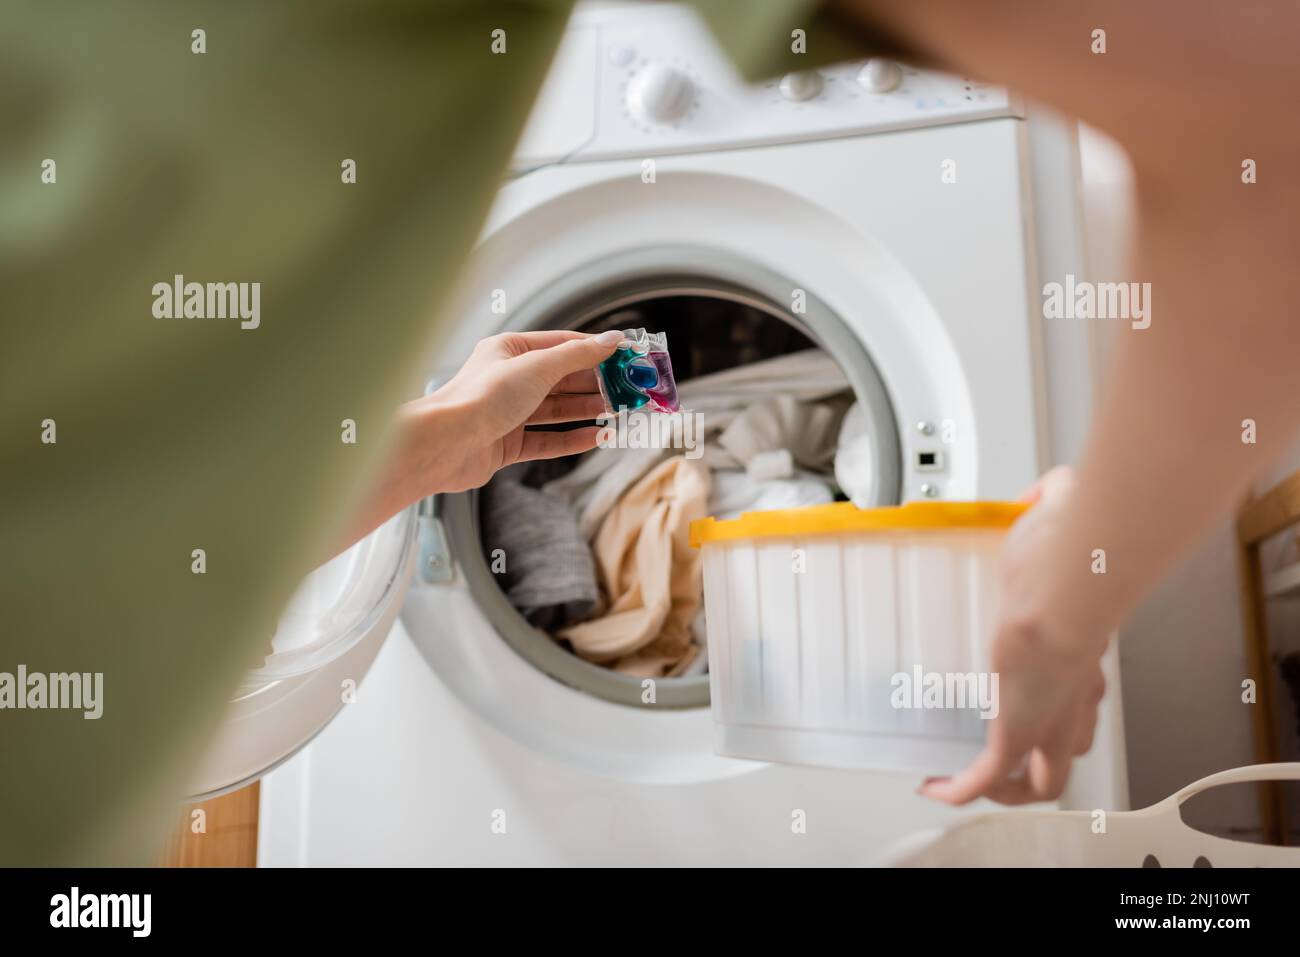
x=651 y=80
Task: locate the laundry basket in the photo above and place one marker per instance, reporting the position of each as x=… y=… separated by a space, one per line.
x=1153 y=837
x=853 y=638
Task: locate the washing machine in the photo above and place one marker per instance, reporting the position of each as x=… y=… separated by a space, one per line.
x=901 y=221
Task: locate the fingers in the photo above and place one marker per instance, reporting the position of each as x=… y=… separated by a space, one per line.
x=538 y=340
x=995 y=763
x=567 y=408
x=1032 y=494
x=1085 y=725
x=1049 y=766
x=1011 y=792
x=1044 y=779
x=1049 y=484
x=1047 y=769
x=553 y=445
x=578 y=382
x=555 y=363
x=518 y=343
x=1084 y=733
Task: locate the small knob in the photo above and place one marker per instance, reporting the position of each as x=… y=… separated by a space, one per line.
x=880 y=76
x=660 y=94
x=800 y=86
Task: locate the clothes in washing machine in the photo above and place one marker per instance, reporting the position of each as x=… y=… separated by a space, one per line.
x=650 y=574
x=736 y=492
x=855 y=457
x=803 y=377
x=533 y=543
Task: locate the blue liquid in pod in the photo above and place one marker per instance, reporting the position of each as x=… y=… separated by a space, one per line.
x=642 y=376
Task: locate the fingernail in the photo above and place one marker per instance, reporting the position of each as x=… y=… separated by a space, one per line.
x=610 y=337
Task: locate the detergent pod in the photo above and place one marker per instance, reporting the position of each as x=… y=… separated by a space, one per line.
x=639 y=374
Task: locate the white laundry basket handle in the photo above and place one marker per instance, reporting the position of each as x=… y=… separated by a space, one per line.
x=1282 y=771
x=1167 y=816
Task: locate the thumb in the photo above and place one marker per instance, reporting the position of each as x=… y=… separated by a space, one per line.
x=1049 y=485
x=555 y=362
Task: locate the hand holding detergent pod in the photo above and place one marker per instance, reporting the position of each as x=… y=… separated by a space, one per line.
x=639 y=374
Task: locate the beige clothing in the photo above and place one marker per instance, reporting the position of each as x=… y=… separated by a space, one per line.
x=650 y=574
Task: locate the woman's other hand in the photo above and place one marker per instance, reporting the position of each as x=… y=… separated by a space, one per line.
x=1047 y=655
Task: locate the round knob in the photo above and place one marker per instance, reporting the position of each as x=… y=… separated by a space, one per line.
x=880 y=76
x=660 y=94
x=801 y=86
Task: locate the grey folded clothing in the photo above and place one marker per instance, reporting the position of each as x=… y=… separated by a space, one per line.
x=546 y=568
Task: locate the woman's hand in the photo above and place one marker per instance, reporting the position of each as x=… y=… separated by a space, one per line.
x=1047 y=655
x=458 y=437
x=510 y=381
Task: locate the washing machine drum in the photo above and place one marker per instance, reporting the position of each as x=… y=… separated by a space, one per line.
x=322 y=647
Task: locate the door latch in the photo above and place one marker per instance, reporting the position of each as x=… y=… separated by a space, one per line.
x=435 y=553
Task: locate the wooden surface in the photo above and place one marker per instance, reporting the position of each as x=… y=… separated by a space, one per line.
x=224 y=835
x=1254 y=629
x=1275 y=510
x=1260 y=518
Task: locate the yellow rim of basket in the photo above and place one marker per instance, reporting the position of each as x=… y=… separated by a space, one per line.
x=838 y=517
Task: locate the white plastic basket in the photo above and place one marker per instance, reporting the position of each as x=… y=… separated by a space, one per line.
x=1154 y=836
x=816 y=617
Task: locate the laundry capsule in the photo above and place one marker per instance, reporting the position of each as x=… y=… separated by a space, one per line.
x=639 y=375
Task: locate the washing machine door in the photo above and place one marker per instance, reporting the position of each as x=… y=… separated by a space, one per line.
x=323 y=646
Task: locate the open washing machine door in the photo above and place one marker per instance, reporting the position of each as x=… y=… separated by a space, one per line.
x=324 y=643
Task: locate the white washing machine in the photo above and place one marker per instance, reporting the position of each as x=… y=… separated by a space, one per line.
x=900 y=220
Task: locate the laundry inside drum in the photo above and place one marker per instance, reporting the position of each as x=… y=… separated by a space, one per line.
x=592 y=550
